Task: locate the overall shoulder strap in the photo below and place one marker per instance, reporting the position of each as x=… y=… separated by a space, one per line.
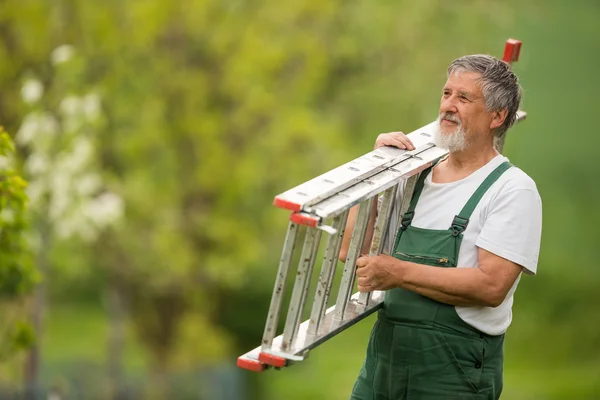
x=418 y=190
x=410 y=213
x=460 y=222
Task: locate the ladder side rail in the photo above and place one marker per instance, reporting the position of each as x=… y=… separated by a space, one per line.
x=328 y=268
x=279 y=287
x=361 y=191
x=308 y=193
x=302 y=277
x=354 y=249
x=379 y=230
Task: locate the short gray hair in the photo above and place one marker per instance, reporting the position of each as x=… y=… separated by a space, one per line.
x=500 y=86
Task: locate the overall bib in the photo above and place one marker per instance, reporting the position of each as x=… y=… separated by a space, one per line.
x=420 y=349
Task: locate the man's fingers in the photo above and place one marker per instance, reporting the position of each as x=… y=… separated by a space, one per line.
x=396 y=139
x=362 y=271
x=365 y=289
x=404 y=142
x=362 y=261
x=363 y=281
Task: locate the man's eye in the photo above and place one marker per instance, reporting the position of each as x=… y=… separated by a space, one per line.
x=463 y=98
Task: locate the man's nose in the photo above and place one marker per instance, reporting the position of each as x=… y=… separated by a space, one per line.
x=448 y=105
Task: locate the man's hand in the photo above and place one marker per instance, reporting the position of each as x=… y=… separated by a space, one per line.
x=378 y=273
x=396 y=139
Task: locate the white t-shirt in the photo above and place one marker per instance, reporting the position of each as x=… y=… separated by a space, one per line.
x=507 y=222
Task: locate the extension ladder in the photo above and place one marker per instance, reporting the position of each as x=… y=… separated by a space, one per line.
x=329 y=197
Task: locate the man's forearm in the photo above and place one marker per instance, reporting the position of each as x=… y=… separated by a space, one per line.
x=455 y=286
x=350 y=227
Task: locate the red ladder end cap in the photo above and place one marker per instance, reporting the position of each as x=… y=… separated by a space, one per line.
x=270 y=359
x=303 y=219
x=250 y=365
x=286 y=204
x=512 y=49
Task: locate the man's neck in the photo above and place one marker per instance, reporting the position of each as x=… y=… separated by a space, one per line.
x=459 y=165
x=470 y=159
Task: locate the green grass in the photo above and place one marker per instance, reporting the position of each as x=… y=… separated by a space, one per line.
x=79 y=332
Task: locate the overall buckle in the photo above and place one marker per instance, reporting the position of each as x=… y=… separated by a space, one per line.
x=459 y=225
x=406 y=220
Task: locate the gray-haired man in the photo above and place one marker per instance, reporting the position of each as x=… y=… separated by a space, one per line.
x=473 y=226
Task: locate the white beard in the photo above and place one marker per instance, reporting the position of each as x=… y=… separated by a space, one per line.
x=453 y=142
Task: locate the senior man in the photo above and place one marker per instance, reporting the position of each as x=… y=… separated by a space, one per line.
x=473 y=226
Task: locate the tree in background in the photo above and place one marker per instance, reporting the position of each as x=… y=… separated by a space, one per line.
x=17 y=275
x=68 y=199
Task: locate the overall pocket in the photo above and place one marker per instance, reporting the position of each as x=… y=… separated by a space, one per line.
x=437 y=248
x=467 y=354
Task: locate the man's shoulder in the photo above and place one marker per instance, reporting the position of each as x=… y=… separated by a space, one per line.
x=515 y=179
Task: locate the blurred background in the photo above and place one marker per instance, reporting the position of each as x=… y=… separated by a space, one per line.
x=154 y=134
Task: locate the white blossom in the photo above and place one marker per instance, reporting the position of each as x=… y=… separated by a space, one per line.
x=90 y=217
x=34 y=125
x=60 y=196
x=82 y=152
x=88 y=184
x=70 y=105
x=62 y=166
x=32 y=91
x=35 y=190
x=91 y=107
x=37 y=164
x=105 y=209
x=72 y=109
x=6 y=162
x=7 y=216
x=59 y=181
x=62 y=54
x=59 y=205
x=76 y=159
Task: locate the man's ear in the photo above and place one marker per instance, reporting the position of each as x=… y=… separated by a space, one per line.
x=498 y=118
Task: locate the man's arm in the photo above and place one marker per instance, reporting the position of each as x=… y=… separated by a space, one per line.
x=486 y=285
x=395 y=139
x=350 y=227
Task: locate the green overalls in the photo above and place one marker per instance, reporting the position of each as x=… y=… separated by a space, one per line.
x=420 y=349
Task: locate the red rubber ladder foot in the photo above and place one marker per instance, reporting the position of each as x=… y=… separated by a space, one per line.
x=512 y=50
x=286 y=204
x=272 y=360
x=305 y=219
x=251 y=365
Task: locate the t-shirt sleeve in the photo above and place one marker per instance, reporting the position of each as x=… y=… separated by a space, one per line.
x=513 y=228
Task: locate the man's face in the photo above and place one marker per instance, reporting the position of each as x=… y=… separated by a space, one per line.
x=462 y=111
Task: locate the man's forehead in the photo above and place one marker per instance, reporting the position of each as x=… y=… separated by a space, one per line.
x=464 y=81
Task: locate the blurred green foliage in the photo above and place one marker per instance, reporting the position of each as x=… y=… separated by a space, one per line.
x=17 y=273
x=210 y=108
